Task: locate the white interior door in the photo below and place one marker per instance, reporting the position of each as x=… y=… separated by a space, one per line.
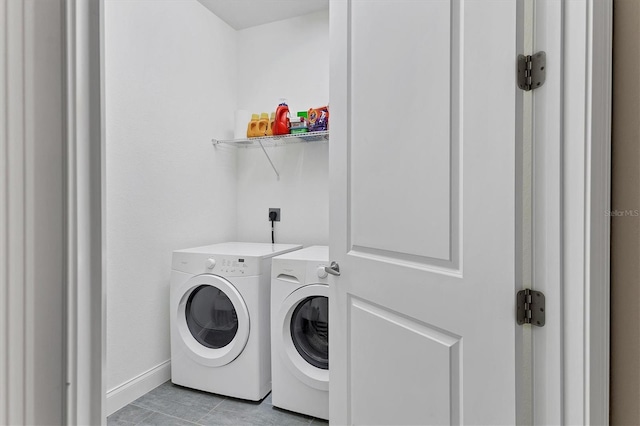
x=424 y=135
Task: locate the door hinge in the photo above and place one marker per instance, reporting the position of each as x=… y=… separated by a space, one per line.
x=530 y=307
x=532 y=70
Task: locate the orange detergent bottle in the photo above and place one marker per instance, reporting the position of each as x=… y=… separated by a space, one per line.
x=281 y=123
x=252 y=128
x=263 y=124
x=270 y=126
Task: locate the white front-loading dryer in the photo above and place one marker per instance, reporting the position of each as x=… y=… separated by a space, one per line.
x=300 y=331
x=219 y=314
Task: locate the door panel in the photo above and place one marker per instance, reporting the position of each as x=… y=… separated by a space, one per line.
x=436 y=380
x=423 y=212
x=401 y=114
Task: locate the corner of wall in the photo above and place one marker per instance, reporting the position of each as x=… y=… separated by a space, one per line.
x=171 y=81
x=625 y=229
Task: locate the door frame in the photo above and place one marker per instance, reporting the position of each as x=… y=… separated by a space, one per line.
x=85 y=210
x=572 y=168
x=571 y=239
x=587 y=166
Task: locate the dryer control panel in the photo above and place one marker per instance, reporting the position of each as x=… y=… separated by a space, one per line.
x=235 y=266
x=227 y=266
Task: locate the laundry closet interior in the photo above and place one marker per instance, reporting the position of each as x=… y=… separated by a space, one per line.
x=175 y=76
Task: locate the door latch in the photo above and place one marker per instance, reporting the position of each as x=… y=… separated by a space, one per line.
x=333 y=269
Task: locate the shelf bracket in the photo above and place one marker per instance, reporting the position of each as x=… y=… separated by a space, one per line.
x=269 y=158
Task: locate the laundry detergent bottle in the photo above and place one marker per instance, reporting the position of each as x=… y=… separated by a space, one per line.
x=252 y=128
x=270 y=126
x=263 y=124
x=281 y=124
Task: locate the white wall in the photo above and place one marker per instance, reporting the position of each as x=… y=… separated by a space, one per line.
x=288 y=59
x=175 y=74
x=170 y=87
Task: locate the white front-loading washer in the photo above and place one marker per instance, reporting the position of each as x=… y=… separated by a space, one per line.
x=219 y=315
x=300 y=331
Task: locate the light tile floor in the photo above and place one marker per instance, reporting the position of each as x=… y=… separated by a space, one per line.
x=169 y=404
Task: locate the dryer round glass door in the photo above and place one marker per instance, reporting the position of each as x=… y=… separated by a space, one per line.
x=310 y=330
x=212 y=320
x=211 y=317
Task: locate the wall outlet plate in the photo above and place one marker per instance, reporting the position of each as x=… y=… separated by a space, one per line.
x=277 y=212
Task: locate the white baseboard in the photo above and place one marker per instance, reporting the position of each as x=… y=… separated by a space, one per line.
x=133 y=389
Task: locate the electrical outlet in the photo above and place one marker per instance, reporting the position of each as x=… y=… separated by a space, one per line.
x=277 y=214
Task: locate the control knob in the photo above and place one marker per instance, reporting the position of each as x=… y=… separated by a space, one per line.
x=211 y=262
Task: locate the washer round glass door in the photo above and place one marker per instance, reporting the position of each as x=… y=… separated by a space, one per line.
x=213 y=320
x=303 y=342
x=310 y=330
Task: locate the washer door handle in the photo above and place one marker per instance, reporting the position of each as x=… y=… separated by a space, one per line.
x=334 y=269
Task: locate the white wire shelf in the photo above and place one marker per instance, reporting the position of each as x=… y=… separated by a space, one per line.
x=271 y=141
